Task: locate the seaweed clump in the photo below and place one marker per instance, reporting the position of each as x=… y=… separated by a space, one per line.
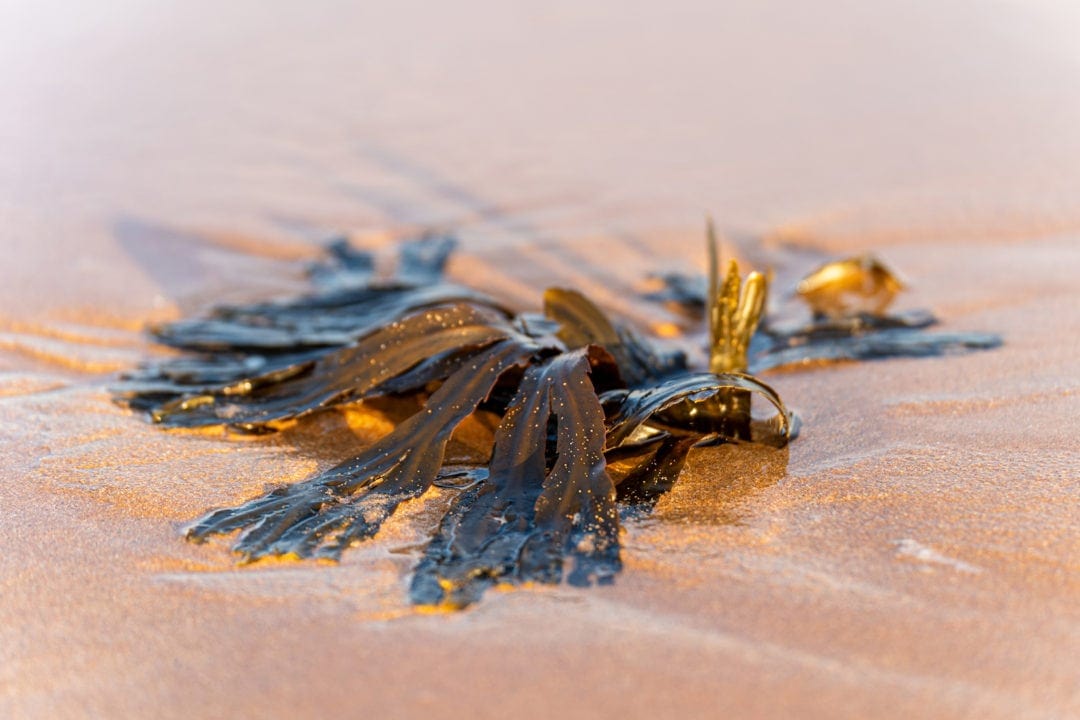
x=574 y=390
x=576 y=393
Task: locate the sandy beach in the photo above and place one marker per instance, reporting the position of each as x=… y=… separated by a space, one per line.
x=914 y=553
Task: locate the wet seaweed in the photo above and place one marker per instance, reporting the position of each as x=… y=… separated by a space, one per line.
x=323 y=515
x=683 y=293
x=428 y=346
x=848 y=301
x=575 y=393
x=321 y=321
x=675 y=401
x=876 y=342
x=579 y=323
x=530 y=512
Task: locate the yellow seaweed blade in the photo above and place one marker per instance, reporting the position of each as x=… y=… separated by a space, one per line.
x=735 y=309
x=751 y=307
x=842 y=288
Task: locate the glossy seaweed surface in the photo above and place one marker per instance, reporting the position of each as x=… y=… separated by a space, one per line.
x=575 y=391
x=858 y=335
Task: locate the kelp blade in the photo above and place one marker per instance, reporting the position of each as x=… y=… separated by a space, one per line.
x=521 y=522
x=898 y=342
x=344 y=375
x=321 y=322
x=325 y=514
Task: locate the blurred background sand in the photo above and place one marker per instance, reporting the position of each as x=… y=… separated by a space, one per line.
x=913 y=554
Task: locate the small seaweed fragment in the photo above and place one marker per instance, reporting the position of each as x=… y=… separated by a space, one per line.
x=344 y=266
x=860 y=285
x=685 y=294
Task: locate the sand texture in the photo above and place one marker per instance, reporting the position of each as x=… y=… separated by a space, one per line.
x=915 y=553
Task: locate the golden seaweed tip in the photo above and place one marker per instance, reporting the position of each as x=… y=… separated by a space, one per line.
x=735 y=309
x=848 y=287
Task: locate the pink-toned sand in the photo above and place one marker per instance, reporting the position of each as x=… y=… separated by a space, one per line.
x=915 y=553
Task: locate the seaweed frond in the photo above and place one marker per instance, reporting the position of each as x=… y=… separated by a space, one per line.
x=532 y=510
x=628 y=410
x=427 y=345
x=735 y=307
x=322 y=516
x=795 y=349
x=581 y=324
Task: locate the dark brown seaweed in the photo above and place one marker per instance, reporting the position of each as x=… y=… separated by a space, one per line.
x=351 y=315
x=581 y=323
x=629 y=410
x=347 y=374
x=877 y=345
x=322 y=516
x=681 y=292
x=646 y=483
x=519 y=523
x=575 y=391
x=349 y=301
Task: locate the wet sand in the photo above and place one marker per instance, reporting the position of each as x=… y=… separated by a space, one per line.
x=913 y=554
